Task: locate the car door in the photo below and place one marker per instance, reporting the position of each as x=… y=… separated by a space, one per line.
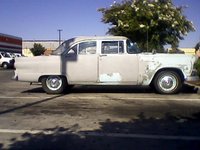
x=115 y=65
x=81 y=63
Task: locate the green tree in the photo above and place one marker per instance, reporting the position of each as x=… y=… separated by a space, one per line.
x=151 y=23
x=38 y=49
x=197 y=66
x=197 y=52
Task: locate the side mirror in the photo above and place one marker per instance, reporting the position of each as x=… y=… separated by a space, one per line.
x=71 y=53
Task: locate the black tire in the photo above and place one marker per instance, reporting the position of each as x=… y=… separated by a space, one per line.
x=54 y=84
x=167 y=82
x=5 y=65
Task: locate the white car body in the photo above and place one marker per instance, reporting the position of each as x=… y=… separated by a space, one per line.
x=111 y=60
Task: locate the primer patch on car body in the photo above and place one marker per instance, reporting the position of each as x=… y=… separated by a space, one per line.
x=112 y=77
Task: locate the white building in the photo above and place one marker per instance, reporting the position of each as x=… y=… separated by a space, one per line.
x=49 y=45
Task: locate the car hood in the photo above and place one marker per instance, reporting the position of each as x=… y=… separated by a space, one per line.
x=168 y=58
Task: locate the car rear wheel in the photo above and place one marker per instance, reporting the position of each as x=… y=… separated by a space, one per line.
x=54 y=84
x=167 y=82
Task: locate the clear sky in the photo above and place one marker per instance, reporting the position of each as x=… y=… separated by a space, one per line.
x=40 y=19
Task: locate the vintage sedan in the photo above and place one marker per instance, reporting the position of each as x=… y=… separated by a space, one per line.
x=106 y=60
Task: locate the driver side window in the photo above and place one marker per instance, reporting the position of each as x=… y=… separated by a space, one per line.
x=131 y=47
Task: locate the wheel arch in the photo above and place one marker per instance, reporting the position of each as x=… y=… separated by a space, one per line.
x=42 y=76
x=177 y=70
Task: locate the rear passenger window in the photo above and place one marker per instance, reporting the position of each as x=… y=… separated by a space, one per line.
x=87 y=47
x=112 y=47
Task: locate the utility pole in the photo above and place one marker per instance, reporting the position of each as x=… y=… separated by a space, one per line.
x=59 y=34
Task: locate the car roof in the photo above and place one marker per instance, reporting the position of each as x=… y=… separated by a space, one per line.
x=83 y=38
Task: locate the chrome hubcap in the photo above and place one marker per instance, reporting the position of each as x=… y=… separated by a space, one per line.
x=54 y=82
x=168 y=83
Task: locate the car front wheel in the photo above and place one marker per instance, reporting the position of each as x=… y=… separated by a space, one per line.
x=5 y=65
x=167 y=82
x=54 y=84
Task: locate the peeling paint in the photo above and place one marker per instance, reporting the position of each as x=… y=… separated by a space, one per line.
x=150 y=71
x=112 y=77
x=184 y=67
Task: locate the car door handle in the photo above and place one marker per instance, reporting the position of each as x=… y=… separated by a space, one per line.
x=103 y=55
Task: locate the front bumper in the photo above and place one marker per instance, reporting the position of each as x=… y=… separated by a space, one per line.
x=192 y=79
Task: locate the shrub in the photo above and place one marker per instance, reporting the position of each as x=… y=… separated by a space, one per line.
x=37 y=49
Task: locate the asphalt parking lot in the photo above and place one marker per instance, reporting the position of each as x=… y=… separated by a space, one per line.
x=92 y=117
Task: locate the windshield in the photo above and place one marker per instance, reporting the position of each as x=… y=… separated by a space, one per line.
x=132 y=48
x=5 y=55
x=64 y=46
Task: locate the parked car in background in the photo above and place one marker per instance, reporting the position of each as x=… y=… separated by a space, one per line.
x=107 y=60
x=13 y=55
x=6 y=61
x=17 y=55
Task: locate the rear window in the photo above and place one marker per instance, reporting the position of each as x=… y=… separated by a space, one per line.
x=5 y=55
x=87 y=47
x=112 y=47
